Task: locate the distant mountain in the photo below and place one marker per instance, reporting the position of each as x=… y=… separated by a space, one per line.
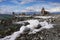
x=4 y=16
x=40 y=12
x=28 y=13
x=32 y=12
x=56 y=12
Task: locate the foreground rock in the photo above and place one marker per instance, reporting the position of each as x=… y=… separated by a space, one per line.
x=51 y=34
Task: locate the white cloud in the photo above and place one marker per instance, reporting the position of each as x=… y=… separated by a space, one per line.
x=54 y=3
x=37 y=8
x=31 y=9
x=27 y=1
x=55 y=9
x=22 y=1
x=2 y=0
x=15 y=1
x=51 y=7
x=7 y=9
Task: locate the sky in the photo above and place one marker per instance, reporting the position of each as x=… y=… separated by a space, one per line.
x=29 y=5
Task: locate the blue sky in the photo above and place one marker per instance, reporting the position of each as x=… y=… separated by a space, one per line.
x=29 y=5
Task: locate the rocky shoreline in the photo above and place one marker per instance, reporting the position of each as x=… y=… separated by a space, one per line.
x=46 y=34
x=50 y=34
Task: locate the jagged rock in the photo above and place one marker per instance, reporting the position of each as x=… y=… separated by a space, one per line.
x=44 y=12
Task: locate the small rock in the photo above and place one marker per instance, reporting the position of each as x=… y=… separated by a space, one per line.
x=41 y=38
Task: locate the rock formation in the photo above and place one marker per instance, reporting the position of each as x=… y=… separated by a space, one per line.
x=43 y=12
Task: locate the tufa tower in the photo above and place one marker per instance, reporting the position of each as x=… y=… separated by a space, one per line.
x=43 y=12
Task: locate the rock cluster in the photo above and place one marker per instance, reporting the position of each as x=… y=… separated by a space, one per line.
x=51 y=34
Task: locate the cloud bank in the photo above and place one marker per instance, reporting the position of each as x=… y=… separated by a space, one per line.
x=29 y=6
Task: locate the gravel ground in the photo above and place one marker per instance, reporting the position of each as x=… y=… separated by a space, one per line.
x=49 y=34
x=46 y=34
